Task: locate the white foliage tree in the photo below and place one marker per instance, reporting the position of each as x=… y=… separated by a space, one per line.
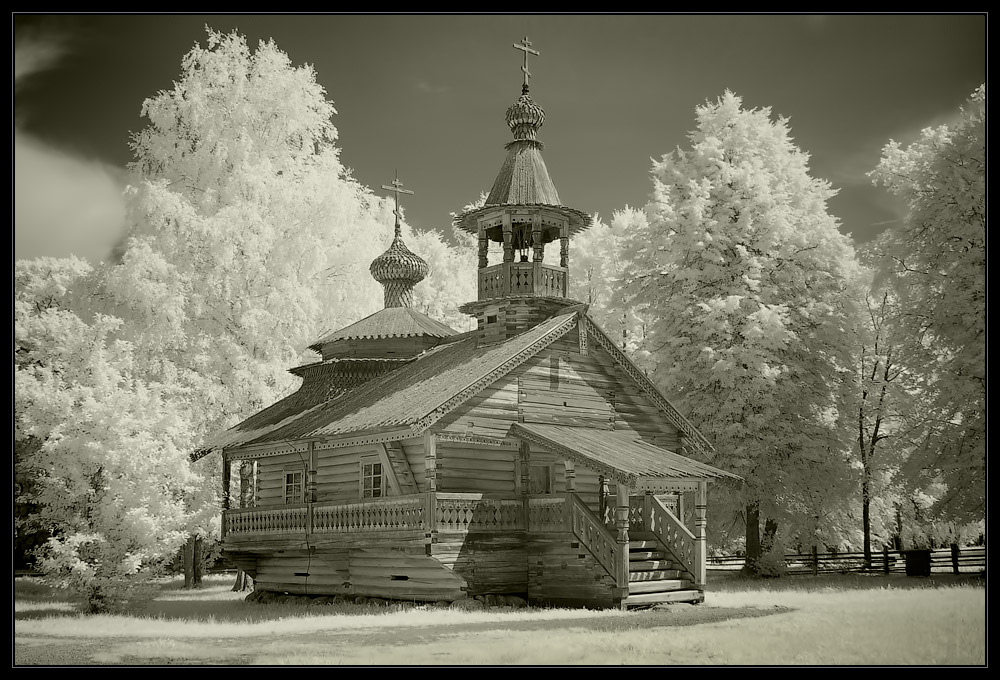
x=248 y=237
x=742 y=276
x=107 y=467
x=935 y=264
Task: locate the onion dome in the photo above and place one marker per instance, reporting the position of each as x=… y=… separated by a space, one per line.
x=524 y=117
x=398 y=270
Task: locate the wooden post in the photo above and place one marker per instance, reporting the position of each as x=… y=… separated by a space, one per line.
x=885 y=559
x=570 y=477
x=226 y=473
x=954 y=557
x=647 y=511
x=524 y=466
x=430 y=478
x=815 y=561
x=508 y=247
x=621 y=521
x=484 y=248
x=700 y=544
x=564 y=252
x=536 y=238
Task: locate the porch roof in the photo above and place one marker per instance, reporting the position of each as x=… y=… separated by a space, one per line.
x=620 y=455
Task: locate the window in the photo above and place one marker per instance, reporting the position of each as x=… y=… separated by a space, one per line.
x=540 y=479
x=293 y=486
x=372 y=478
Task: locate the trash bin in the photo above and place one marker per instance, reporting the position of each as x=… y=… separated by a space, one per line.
x=918 y=562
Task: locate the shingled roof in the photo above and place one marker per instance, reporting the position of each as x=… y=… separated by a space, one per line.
x=391 y=322
x=621 y=455
x=415 y=395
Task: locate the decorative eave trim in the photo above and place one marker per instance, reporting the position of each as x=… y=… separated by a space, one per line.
x=578 y=220
x=667 y=485
x=269 y=449
x=620 y=476
x=500 y=371
x=478 y=440
x=697 y=439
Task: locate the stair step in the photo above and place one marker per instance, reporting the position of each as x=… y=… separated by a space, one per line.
x=646 y=555
x=656 y=598
x=643 y=544
x=635 y=576
x=651 y=565
x=659 y=586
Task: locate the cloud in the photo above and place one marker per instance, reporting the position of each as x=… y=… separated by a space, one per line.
x=63 y=204
x=426 y=87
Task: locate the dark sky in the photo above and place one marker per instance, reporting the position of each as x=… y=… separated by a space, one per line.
x=427 y=94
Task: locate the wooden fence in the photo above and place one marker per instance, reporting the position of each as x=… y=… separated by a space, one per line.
x=953 y=560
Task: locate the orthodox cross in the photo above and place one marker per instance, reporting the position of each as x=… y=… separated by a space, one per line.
x=525 y=46
x=397 y=189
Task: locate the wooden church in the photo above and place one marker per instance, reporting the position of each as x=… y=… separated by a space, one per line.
x=528 y=457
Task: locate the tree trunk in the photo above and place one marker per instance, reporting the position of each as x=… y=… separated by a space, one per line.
x=187 y=553
x=752 y=538
x=243 y=582
x=866 y=522
x=196 y=559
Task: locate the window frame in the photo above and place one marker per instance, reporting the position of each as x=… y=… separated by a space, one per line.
x=383 y=478
x=295 y=470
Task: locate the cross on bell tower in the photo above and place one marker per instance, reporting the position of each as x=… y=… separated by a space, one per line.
x=525 y=46
x=524 y=214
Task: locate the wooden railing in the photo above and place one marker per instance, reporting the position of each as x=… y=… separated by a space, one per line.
x=546 y=514
x=376 y=514
x=953 y=560
x=596 y=537
x=474 y=512
x=522 y=278
x=285 y=519
x=671 y=532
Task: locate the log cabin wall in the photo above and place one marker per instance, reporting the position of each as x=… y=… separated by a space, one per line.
x=337 y=471
x=472 y=468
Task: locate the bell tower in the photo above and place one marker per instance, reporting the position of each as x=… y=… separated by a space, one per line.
x=522 y=212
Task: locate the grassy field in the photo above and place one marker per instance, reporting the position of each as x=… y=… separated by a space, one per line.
x=830 y=620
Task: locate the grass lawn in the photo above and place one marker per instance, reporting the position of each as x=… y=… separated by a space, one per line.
x=803 y=620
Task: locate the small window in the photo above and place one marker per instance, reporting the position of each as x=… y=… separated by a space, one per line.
x=293 y=486
x=372 y=479
x=492 y=318
x=540 y=479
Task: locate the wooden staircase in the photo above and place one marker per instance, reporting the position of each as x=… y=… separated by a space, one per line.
x=655 y=576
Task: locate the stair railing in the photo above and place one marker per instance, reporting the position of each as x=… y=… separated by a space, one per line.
x=671 y=532
x=593 y=535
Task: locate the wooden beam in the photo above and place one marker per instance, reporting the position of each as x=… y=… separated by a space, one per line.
x=700 y=509
x=621 y=522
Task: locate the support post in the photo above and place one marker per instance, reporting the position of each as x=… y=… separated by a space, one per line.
x=570 y=477
x=536 y=238
x=954 y=557
x=508 y=234
x=647 y=511
x=524 y=466
x=621 y=522
x=484 y=248
x=226 y=478
x=700 y=544
x=885 y=559
x=815 y=561
x=430 y=478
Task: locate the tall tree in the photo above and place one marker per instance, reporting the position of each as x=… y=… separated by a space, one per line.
x=936 y=265
x=599 y=274
x=247 y=235
x=108 y=462
x=742 y=276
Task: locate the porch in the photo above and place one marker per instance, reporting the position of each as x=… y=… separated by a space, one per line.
x=641 y=548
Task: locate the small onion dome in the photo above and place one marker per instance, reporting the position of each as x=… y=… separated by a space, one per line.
x=524 y=117
x=398 y=270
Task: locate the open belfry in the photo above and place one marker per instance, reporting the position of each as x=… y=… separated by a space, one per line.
x=526 y=460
